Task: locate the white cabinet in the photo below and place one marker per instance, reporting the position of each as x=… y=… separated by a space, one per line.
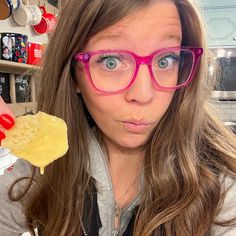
x=210 y=3
x=220 y=21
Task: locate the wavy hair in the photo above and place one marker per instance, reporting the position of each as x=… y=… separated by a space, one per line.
x=187 y=154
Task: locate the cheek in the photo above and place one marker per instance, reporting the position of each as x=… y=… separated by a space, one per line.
x=98 y=107
x=163 y=99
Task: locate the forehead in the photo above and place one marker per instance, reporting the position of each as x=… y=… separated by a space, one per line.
x=157 y=24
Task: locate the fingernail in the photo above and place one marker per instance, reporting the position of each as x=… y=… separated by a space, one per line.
x=2 y=135
x=10 y=168
x=6 y=121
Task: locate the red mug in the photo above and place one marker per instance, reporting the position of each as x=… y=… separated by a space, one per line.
x=47 y=23
x=34 y=53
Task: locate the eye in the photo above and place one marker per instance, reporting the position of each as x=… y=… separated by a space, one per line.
x=163 y=63
x=110 y=62
x=167 y=61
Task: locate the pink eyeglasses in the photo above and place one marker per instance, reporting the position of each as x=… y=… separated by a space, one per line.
x=114 y=71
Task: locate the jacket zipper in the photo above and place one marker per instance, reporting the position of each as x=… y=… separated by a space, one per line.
x=82 y=227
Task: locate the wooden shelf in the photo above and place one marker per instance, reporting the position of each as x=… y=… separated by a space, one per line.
x=15 y=67
x=21 y=108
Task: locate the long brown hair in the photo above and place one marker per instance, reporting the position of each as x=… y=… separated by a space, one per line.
x=186 y=153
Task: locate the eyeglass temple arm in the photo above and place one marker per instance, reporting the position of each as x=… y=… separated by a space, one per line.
x=83 y=57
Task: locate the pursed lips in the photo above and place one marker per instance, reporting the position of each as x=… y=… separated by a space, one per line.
x=135 y=125
x=137 y=122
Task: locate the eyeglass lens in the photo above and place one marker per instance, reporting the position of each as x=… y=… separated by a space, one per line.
x=113 y=71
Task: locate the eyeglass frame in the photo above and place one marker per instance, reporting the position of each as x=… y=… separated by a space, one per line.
x=84 y=57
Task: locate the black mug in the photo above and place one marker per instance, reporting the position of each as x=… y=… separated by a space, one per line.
x=6 y=46
x=14 y=47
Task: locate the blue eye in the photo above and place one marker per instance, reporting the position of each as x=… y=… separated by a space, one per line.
x=167 y=61
x=163 y=63
x=110 y=62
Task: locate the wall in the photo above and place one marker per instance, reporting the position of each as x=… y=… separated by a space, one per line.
x=9 y=25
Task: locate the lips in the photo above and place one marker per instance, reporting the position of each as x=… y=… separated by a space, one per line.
x=137 y=122
x=136 y=126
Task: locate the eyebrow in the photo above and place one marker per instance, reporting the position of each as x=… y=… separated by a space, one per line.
x=108 y=36
x=171 y=36
x=116 y=36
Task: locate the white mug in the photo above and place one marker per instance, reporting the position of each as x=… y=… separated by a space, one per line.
x=27 y=14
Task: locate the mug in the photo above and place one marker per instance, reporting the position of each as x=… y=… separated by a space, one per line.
x=5 y=87
x=34 y=53
x=27 y=14
x=47 y=23
x=19 y=48
x=23 y=88
x=14 y=47
x=6 y=46
x=7 y=7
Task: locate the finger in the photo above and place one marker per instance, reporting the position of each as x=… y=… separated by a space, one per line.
x=2 y=135
x=4 y=109
x=6 y=121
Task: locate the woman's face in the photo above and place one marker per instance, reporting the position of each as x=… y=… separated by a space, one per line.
x=128 y=118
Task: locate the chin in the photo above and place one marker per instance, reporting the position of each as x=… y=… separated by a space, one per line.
x=126 y=141
x=133 y=142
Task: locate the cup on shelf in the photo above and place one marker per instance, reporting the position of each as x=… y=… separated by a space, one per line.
x=5 y=87
x=34 y=53
x=23 y=88
x=6 y=46
x=27 y=14
x=47 y=23
x=14 y=47
x=20 y=48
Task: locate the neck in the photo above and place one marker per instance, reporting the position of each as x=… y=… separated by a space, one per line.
x=120 y=158
x=125 y=166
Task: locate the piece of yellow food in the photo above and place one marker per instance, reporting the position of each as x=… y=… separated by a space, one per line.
x=40 y=139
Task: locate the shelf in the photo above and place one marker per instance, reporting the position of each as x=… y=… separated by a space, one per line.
x=21 y=108
x=15 y=67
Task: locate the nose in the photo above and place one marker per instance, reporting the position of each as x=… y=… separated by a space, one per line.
x=142 y=89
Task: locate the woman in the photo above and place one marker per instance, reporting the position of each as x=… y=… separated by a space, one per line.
x=146 y=156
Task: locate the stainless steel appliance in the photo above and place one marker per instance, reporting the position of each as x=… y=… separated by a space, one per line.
x=226 y=58
x=231 y=125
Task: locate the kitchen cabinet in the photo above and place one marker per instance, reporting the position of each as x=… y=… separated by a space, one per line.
x=220 y=22
x=213 y=3
x=14 y=69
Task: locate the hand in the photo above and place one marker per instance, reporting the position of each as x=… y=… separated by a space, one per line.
x=7 y=119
